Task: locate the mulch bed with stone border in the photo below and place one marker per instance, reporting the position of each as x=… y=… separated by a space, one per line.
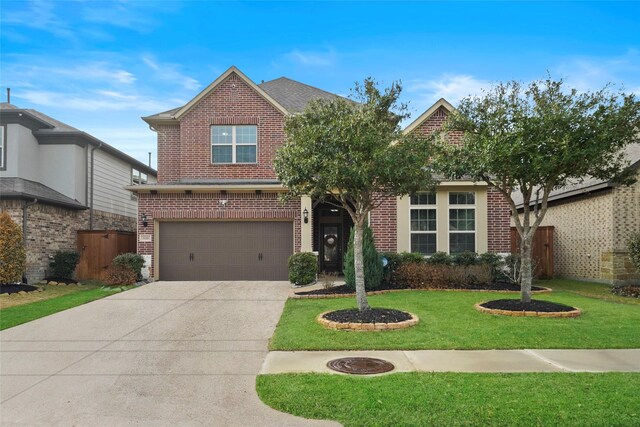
x=18 y=289
x=58 y=281
x=375 y=319
x=535 y=308
x=342 y=291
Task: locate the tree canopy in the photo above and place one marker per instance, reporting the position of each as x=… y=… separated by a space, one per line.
x=537 y=138
x=354 y=151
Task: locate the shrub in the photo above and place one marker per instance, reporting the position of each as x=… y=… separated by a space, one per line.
x=64 y=264
x=634 y=250
x=132 y=261
x=438 y=276
x=119 y=275
x=372 y=262
x=394 y=261
x=303 y=267
x=440 y=258
x=496 y=262
x=12 y=254
x=465 y=258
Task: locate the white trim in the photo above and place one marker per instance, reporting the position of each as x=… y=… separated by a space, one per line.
x=473 y=207
x=234 y=145
x=429 y=207
x=219 y=80
x=424 y=116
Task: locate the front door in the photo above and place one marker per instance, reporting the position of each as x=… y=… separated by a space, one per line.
x=331 y=247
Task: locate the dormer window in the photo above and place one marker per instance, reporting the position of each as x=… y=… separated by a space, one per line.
x=234 y=144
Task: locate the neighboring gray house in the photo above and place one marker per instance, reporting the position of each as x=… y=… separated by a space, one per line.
x=56 y=180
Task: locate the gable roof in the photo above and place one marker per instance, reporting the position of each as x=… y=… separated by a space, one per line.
x=424 y=116
x=48 y=130
x=293 y=95
x=286 y=95
x=18 y=188
x=232 y=70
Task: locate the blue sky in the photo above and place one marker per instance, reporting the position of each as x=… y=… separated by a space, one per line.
x=99 y=66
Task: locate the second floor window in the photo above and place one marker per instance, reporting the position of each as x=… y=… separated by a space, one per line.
x=138 y=177
x=234 y=144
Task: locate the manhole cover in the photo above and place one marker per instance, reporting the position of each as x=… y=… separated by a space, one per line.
x=360 y=365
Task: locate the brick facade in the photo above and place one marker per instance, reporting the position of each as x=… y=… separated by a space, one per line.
x=232 y=102
x=52 y=228
x=591 y=232
x=498 y=211
x=199 y=206
x=498 y=222
x=383 y=222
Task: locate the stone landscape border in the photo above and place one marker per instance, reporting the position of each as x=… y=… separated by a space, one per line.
x=339 y=326
x=20 y=293
x=544 y=290
x=573 y=313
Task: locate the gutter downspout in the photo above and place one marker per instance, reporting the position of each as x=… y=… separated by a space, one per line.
x=86 y=175
x=92 y=179
x=25 y=219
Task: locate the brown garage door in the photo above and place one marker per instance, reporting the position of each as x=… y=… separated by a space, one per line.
x=225 y=250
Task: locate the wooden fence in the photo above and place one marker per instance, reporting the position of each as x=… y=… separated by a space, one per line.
x=542 y=251
x=97 y=248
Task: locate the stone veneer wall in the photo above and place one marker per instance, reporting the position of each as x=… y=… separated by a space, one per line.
x=626 y=221
x=52 y=228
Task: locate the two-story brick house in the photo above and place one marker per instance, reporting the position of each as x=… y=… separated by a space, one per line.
x=215 y=212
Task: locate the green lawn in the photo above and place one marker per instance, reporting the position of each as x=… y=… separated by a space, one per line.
x=448 y=320
x=458 y=399
x=16 y=315
x=592 y=290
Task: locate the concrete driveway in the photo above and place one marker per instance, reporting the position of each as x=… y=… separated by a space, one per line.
x=168 y=353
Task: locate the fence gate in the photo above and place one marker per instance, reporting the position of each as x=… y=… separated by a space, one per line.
x=97 y=248
x=542 y=251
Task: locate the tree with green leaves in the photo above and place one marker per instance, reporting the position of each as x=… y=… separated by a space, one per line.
x=537 y=138
x=352 y=153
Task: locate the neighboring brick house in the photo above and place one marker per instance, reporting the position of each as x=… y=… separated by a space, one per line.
x=592 y=223
x=215 y=212
x=56 y=180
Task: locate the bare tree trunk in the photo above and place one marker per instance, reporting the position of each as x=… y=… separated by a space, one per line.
x=361 y=293
x=526 y=270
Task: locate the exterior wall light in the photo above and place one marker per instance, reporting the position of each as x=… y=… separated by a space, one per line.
x=305 y=215
x=145 y=220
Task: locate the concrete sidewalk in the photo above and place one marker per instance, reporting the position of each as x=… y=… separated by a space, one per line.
x=626 y=360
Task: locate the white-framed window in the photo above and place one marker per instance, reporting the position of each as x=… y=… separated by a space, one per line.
x=234 y=144
x=138 y=177
x=462 y=221
x=423 y=223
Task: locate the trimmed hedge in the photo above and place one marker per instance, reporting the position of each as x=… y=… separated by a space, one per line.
x=303 y=268
x=64 y=264
x=438 y=276
x=132 y=261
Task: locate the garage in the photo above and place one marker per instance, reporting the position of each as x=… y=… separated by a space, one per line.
x=225 y=250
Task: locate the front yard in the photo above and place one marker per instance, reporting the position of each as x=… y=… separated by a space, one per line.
x=18 y=309
x=448 y=320
x=457 y=399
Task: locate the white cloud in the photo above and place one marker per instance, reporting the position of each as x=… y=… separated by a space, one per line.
x=40 y=15
x=593 y=73
x=452 y=87
x=98 y=100
x=312 y=59
x=170 y=72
